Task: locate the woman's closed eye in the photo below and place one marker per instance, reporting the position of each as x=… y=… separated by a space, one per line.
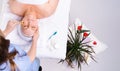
x=25 y=26
x=33 y=27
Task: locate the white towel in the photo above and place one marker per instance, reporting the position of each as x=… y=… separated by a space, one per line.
x=33 y=1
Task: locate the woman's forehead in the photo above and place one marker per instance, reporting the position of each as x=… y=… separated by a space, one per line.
x=30 y=24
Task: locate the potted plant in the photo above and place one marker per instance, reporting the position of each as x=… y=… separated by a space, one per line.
x=79 y=46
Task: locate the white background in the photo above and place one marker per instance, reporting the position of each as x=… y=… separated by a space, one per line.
x=103 y=18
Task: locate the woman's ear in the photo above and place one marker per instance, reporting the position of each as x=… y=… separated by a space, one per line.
x=22 y=22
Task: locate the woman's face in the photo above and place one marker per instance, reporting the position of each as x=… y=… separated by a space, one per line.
x=29 y=25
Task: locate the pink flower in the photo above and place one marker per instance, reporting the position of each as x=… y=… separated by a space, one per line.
x=94 y=43
x=79 y=27
x=85 y=34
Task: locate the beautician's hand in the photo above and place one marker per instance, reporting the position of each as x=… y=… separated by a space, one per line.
x=32 y=52
x=36 y=35
x=10 y=26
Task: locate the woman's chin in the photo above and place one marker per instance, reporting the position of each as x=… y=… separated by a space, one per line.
x=28 y=35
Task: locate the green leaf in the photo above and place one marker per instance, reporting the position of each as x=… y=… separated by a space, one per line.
x=82 y=31
x=71 y=34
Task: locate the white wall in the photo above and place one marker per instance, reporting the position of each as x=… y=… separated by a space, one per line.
x=103 y=18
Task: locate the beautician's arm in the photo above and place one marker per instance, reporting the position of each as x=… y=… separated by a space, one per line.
x=10 y=26
x=32 y=51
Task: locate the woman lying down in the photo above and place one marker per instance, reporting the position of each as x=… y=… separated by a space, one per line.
x=30 y=11
x=12 y=57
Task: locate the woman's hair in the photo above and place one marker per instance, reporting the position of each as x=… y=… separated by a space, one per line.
x=4 y=53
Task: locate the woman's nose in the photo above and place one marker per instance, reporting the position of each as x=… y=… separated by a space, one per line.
x=29 y=24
